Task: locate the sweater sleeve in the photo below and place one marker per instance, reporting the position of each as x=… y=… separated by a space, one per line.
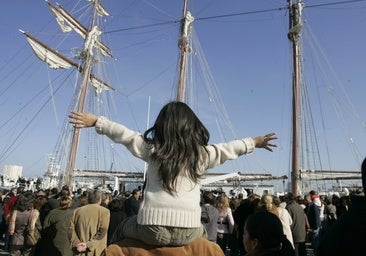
x=132 y=140
x=220 y=153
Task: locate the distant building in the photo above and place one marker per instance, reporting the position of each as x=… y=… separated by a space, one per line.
x=12 y=172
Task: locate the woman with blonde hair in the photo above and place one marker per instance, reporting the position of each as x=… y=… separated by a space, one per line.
x=266 y=204
x=269 y=203
x=225 y=222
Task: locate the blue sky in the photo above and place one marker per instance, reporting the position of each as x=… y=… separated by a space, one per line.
x=249 y=59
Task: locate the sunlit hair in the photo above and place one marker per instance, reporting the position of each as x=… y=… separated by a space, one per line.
x=178 y=137
x=65 y=202
x=222 y=203
x=266 y=204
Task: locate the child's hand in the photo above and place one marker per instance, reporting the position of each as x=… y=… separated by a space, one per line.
x=82 y=120
x=264 y=141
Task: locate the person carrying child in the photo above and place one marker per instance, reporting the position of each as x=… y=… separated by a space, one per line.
x=177 y=152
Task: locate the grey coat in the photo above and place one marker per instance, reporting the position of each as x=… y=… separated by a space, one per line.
x=211 y=226
x=298 y=226
x=21 y=223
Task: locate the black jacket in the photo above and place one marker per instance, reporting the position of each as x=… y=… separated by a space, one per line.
x=347 y=235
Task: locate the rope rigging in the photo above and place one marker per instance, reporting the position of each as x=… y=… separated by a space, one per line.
x=222 y=118
x=227 y=16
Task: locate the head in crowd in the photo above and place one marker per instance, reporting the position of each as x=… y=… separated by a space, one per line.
x=65 y=191
x=136 y=193
x=41 y=194
x=127 y=194
x=222 y=202
x=277 y=201
x=25 y=201
x=116 y=205
x=208 y=198
x=83 y=200
x=179 y=138
x=254 y=199
x=263 y=233
x=40 y=200
x=65 y=202
x=79 y=191
x=54 y=191
x=290 y=198
x=267 y=204
x=313 y=194
x=94 y=196
x=13 y=192
x=106 y=198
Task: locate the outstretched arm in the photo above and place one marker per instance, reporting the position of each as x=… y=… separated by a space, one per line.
x=265 y=141
x=82 y=120
x=132 y=140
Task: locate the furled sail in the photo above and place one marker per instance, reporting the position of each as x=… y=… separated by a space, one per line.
x=56 y=60
x=91 y=40
x=45 y=53
x=99 y=85
x=186 y=26
x=62 y=17
x=100 y=9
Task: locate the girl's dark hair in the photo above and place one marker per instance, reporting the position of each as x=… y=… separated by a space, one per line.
x=179 y=139
x=267 y=228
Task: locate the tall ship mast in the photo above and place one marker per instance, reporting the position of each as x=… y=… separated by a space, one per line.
x=301 y=140
x=294 y=36
x=191 y=81
x=184 y=45
x=86 y=56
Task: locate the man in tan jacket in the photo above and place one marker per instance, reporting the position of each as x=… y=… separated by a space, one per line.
x=89 y=226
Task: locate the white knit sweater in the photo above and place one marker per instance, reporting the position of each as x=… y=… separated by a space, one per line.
x=159 y=207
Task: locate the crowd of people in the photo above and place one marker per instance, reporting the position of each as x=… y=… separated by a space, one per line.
x=308 y=218
x=71 y=223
